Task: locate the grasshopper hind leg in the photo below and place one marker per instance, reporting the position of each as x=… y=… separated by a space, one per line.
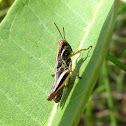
x=76 y=74
x=70 y=68
x=58 y=96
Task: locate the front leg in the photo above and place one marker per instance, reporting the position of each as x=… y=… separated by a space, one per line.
x=74 y=53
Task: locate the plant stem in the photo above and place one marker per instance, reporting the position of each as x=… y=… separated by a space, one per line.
x=116 y=62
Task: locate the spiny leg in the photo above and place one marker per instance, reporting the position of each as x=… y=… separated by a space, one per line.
x=70 y=69
x=76 y=74
x=74 y=53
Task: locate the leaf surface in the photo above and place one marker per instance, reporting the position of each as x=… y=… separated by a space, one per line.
x=28 y=47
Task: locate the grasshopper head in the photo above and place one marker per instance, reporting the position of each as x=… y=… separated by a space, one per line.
x=62 y=43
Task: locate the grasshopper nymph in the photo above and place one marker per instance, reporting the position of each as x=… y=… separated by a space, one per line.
x=63 y=67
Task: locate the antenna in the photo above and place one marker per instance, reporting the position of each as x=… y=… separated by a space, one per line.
x=60 y=32
x=63 y=33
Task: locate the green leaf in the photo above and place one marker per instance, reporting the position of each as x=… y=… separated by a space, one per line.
x=28 y=49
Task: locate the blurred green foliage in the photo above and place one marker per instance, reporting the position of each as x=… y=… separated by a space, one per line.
x=108 y=103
